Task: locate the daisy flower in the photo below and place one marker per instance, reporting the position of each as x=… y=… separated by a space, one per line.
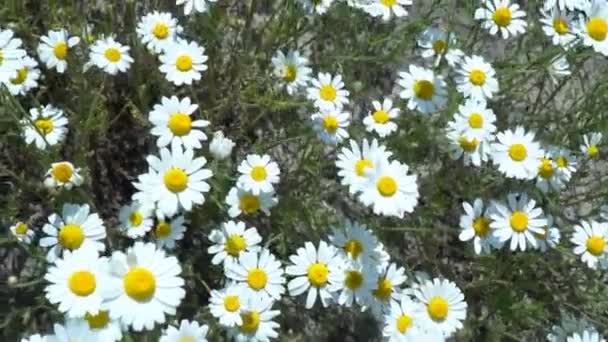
x=12 y=55
x=356 y=242
x=593 y=27
x=73 y=330
x=200 y=6
x=434 y=42
x=35 y=338
x=517 y=154
x=54 y=49
x=550 y=236
x=586 y=336
x=380 y=119
x=110 y=56
x=22 y=232
x=220 y=146
x=387 y=289
x=135 y=220
x=475 y=225
x=259 y=274
x=78 y=282
x=187 y=331
x=559 y=68
x=390 y=189
x=476 y=78
x=359 y=280
x=173 y=123
x=183 y=62
x=76 y=228
x=316 y=270
x=354 y=162
x=331 y=123
x=444 y=304
x=157 y=30
x=327 y=90
x=424 y=90
x=502 y=16
x=104 y=328
x=402 y=322
x=316 y=6
x=384 y=8
x=258 y=174
x=565 y=162
x=558 y=26
x=472 y=150
x=292 y=69
x=45 y=125
x=62 y=175
x=591 y=243
x=548 y=178
x=168 y=233
x=519 y=220
x=231 y=241
x=245 y=202
x=226 y=305
x=474 y=119
x=145 y=286
x=175 y=181
x=590 y=144
x=26 y=78
x=257 y=323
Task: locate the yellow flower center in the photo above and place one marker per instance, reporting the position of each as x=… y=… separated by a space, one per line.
x=232 y=303
x=289 y=73
x=44 y=126
x=381 y=116
x=176 y=180
x=597 y=28
x=98 y=321
x=481 y=226
x=180 y=124
x=235 y=244
x=1 y=57
x=596 y=245
x=112 y=54
x=387 y=186
x=82 y=283
x=251 y=321
x=71 y=236
x=21 y=76
x=258 y=173
x=384 y=289
x=424 y=89
x=353 y=247
x=403 y=323
x=21 y=228
x=60 y=50
x=257 y=278
x=328 y=92
x=593 y=151
x=518 y=152
x=439 y=46
x=160 y=30
x=475 y=120
x=502 y=16
x=330 y=123
x=249 y=204
x=519 y=221
x=560 y=25
x=136 y=218
x=62 y=172
x=139 y=284
x=438 y=308
x=388 y=3
x=545 y=170
x=477 y=77
x=353 y=280
x=317 y=274
x=360 y=166
x=184 y=63
x=187 y=339
x=561 y=161
x=162 y=230
x=468 y=145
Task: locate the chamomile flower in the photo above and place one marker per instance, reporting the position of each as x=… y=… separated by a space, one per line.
x=356 y=243
x=593 y=27
x=517 y=154
x=45 y=125
x=26 y=78
x=232 y=240
x=257 y=323
x=292 y=69
x=226 y=305
x=246 y=203
x=402 y=321
x=387 y=289
x=187 y=331
x=78 y=282
x=220 y=146
x=519 y=220
x=73 y=330
x=353 y=162
x=474 y=119
x=390 y=189
x=76 y=228
x=444 y=304
x=586 y=336
x=550 y=236
x=380 y=119
x=258 y=174
x=559 y=68
x=424 y=90
x=558 y=25
x=173 y=123
x=386 y=8
x=473 y=151
x=316 y=6
x=591 y=243
x=502 y=16
x=145 y=286
x=434 y=42
x=200 y=6
x=63 y=175
x=316 y=270
x=331 y=123
x=22 y=232
x=476 y=78
x=175 y=181
x=135 y=220
x=475 y=225
x=110 y=56
x=590 y=145
x=157 y=30
x=328 y=91
x=548 y=178
x=104 y=328
x=168 y=231
x=35 y=338
x=183 y=62
x=54 y=49
x=359 y=280
x=12 y=54
x=259 y=274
